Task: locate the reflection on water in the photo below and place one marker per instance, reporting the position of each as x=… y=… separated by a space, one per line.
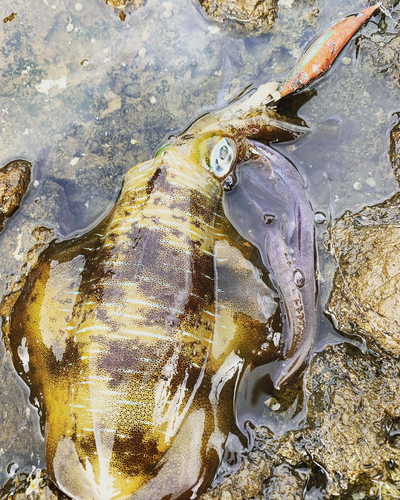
x=85 y=96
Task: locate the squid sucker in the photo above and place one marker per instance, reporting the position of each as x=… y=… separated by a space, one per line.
x=133 y=337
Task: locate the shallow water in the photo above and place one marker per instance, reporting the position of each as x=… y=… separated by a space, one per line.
x=85 y=96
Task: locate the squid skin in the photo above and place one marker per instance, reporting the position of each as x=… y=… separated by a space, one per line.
x=127 y=337
x=278 y=219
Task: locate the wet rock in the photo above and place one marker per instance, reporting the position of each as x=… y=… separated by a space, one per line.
x=122 y=4
x=365 y=296
x=14 y=181
x=383 y=50
x=381 y=43
x=33 y=486
x=354 y=396
x=132 y=90
x=247 y=483
x=348 y=443
x=365 y=299
x=285 y=482
x=246 y=15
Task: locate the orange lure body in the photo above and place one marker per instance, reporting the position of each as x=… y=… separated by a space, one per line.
x=321 y=54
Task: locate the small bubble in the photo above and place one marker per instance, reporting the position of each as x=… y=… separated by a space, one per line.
x=319 y=217
x=12 y=469
x=264 y=346
x=268 y=218
x=229 y=183
x=299 y=278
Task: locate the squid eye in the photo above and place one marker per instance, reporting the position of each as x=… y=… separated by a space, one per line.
x=222 y=157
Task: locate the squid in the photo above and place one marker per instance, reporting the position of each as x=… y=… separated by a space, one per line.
x=133 y=336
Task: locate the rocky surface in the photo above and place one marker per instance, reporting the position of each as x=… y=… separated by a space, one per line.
x=246 y=15
x=124 y=7
x=33 y=486
x=14 y=182
x=365 y=299
x=348 y=445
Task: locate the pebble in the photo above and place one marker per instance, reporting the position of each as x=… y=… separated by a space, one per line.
x=142 y=52
x=357 y=186
x=214 y=29
x=346 y=61
x=168 y=6
x=153 y=99
x=132 y=90
x=226 y=495
x=35 y=183
x=371 y=182
x=145 y=36
x=70 y=27
x=288 y=4
x=78 y=7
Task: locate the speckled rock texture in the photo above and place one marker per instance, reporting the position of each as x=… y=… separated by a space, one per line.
x=349 y=445
x=14 y=181
x=33 y=486
x=125 y=4
x=246 y=15
x=365 y=298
